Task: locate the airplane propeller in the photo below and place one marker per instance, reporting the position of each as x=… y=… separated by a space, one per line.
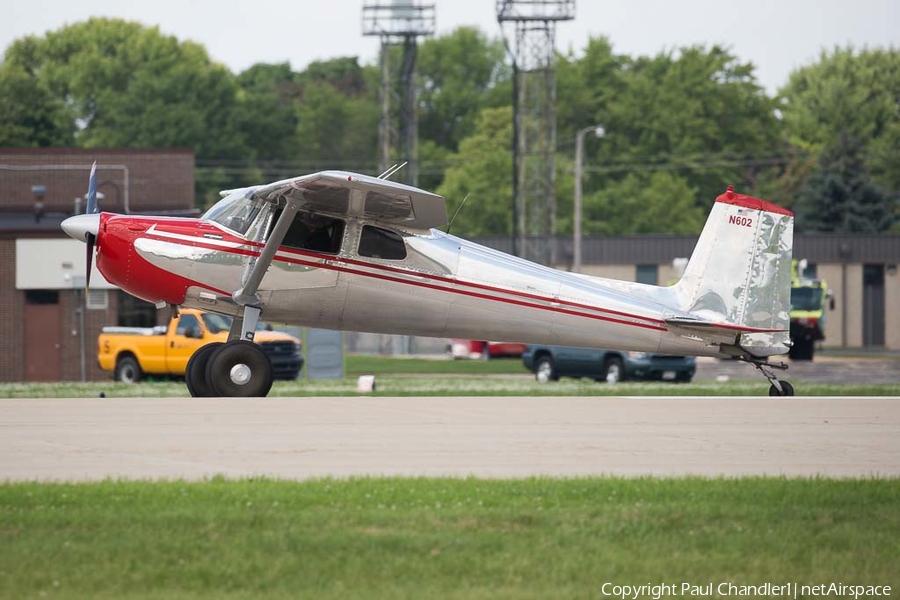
x=90 y=238
x=85 y=228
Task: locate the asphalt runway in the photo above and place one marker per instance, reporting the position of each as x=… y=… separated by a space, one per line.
x=298 y=438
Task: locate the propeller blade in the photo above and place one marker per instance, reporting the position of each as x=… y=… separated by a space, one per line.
x=91 y=199
x=89 y=239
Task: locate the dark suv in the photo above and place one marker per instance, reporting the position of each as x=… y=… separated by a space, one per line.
x=549 y=363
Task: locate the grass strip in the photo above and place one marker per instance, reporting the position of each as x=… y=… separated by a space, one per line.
x=469 y=385
x=440 y=538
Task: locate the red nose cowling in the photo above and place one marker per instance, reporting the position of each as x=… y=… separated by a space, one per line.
x=122 y=266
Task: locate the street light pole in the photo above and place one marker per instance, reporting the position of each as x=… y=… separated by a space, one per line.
x=579 y=167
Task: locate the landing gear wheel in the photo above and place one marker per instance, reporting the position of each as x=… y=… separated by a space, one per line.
x=786 y=389
x=544 y=371
x=239 y=369
x=195 y=373
x=128 y=370
x=615 y=370
x=778 y=387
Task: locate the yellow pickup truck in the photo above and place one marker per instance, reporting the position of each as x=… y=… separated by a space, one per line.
x=131 y=353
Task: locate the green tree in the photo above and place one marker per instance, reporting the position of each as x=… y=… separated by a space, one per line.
x=30 y=115
x=481 y=171
x=648 y=202
x=587 y=87
x=337 y=116
x=839 y=195
x=852 y=92
x=459 y=74
x=266 y=115
x=698 y=111
x=124 y=84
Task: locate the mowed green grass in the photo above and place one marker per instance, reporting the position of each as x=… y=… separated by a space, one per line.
x=452 y=385
x=441 y=377
x=440 y=538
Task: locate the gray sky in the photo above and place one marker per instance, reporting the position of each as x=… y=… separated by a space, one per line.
x=776 y=35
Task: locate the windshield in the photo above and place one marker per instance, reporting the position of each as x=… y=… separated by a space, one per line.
x=236 y=211
x=806 y=298
x=217 y=323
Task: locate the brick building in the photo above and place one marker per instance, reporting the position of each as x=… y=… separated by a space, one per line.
x=48 y=332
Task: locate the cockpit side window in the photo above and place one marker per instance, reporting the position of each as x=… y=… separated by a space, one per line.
x=310 y=231
x=375 y=242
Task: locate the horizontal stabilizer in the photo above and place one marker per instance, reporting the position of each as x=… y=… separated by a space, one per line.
x=758 y=340
x=701 y=325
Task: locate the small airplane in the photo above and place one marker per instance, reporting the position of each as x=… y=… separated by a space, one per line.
x=346 y=251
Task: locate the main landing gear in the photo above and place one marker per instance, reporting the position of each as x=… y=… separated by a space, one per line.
x=778 y=387
x=235 y=369
x=239 y=368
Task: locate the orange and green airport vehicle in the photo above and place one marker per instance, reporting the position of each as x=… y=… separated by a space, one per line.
x=809 y=299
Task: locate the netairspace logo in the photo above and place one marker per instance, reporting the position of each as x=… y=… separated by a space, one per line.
x=789 y=590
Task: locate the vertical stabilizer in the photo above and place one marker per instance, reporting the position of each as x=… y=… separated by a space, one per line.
x=740 y=271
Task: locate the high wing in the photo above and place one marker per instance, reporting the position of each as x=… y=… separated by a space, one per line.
x=337 y=193
x=342 y=194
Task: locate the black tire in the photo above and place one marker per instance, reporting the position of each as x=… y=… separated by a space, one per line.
x=615 y=368
x=786 y=389
x=236 y=360
x=195 y=372
x=684 y=378
x=544 y=370
x=128 y=370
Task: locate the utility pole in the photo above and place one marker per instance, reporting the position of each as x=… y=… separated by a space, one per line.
x=531 y=25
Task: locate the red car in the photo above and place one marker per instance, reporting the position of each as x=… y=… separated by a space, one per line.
x=485 y=350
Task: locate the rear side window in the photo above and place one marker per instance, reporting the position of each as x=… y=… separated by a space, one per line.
x=376 y=242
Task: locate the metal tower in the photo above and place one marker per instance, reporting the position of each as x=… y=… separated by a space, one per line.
x=532 y=26
x=398 y=23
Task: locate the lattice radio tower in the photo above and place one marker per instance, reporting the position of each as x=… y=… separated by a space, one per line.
x=398 y=23
x=530 y=30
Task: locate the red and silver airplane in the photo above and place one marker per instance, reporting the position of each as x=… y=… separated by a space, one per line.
x=344 y=251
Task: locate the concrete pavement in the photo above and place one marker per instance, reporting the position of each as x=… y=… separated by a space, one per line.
x=297 y=438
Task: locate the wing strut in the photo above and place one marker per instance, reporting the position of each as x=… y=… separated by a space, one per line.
x=243 y=327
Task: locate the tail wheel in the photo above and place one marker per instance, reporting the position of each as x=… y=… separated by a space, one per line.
x=615 y=370
x=786 y=389
x=195 y=373
x=128 y=370
x=239 y=369
x=544 y=371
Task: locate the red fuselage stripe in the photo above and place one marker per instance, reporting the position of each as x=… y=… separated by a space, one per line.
x=650 y=325
x=442 y=279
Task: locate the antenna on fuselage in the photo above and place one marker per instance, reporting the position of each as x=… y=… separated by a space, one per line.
x=389 y=172
x=458 y=208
